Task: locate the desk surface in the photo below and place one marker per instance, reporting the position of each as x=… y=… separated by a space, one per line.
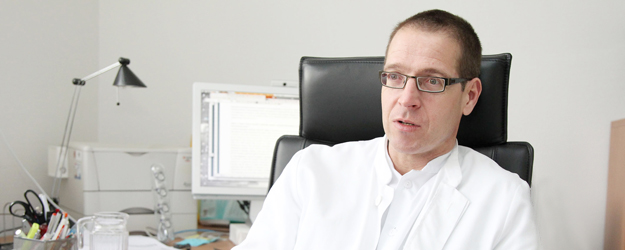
x=223 y=244
x=220 y=245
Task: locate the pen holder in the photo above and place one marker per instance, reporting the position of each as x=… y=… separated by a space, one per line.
x=32 y=244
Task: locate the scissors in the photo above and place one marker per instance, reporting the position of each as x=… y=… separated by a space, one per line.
x=29 y=210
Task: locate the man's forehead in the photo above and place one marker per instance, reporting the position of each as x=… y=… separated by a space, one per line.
x=411 y=43
x=444 y=35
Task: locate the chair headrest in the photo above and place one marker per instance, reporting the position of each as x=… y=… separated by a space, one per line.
x=340 y=101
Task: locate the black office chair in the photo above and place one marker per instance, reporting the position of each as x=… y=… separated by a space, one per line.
x=340 y=102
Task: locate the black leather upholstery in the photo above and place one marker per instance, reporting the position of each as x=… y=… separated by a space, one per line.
x=488 y=123
x=340 y=102
x=340 y=99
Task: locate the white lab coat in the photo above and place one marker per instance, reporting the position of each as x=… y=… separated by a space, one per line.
x=335 y=197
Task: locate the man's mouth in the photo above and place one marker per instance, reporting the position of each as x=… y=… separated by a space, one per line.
x=406 y=123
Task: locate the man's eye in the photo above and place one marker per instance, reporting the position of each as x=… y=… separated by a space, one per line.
x=393 y=76
x=433 y=81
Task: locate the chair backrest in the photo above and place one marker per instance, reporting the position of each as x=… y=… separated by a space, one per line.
x=340 y=102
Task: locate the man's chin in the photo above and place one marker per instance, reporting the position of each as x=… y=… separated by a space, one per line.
x=404 y=147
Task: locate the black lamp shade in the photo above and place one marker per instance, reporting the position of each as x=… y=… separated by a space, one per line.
x=125 y=78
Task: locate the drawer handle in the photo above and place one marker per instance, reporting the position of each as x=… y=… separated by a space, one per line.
x=136 y=153
x=137 y=210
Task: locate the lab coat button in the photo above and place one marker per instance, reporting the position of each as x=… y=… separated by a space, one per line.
x=408 y=185
x=378 y=200
x=393 y=232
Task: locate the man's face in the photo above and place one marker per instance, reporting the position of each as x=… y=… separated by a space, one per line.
x=420 y=124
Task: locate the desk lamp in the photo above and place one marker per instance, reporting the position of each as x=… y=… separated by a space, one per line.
x=125 y=78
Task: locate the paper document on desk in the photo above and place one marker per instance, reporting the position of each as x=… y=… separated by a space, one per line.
x=142 y=242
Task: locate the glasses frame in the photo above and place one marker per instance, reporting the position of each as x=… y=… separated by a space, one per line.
x=448 y=81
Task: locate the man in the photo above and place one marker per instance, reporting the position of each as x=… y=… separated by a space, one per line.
x=415 y=188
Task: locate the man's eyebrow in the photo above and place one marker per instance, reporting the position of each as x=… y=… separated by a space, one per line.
x=427 y=71
x=433 y=71
x=393 y=66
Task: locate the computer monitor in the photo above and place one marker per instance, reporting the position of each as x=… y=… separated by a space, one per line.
x=235 y=128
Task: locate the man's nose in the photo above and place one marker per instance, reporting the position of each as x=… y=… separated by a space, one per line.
x=410 y=95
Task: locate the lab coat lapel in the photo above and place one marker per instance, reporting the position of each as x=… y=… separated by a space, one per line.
x=443 y=210
x=384 y=194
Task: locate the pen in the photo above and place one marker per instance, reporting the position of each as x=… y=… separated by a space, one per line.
x=52 y=225
x=33 y=230
x=54 y=221
x=65 y=227
x=20 y=234
x=64 y=231
x=58 y=233
x=60 y=227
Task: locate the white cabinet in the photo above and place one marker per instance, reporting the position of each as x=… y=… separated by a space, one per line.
x=119 y=178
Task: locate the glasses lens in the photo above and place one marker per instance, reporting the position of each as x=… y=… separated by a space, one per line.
x=431 y=84
x=393 y=80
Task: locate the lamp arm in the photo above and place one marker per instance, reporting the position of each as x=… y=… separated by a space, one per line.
x=82 y=81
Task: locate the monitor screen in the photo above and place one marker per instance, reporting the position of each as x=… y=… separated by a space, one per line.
x=235 y=129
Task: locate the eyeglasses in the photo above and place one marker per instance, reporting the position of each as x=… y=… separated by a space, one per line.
x=428 y=84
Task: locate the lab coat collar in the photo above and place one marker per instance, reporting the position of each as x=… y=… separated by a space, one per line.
x=382 y=167
x=452 y=171
x=451 y=167
x=442 y=211
x=385 y=193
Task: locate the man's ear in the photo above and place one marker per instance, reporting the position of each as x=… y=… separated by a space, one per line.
x=472 y=91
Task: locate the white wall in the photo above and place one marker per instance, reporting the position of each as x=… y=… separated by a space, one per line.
x=43 y=45
x=564 y=91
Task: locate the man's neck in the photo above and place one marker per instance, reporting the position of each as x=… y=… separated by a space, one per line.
x=403 y=163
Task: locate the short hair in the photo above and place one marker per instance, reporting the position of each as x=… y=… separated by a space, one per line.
x=461 y=30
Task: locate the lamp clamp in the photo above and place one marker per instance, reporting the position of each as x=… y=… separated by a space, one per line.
x=78 y=81
x=124 y=61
